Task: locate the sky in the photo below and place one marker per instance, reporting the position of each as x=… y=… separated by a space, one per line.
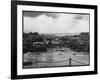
x=48 y=22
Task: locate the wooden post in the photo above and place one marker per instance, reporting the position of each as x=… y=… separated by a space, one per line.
x=69 y=61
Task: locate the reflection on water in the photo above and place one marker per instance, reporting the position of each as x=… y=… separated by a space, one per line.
x=54 y=57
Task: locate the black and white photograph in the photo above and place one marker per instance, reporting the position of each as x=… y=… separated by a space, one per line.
x=52 y=39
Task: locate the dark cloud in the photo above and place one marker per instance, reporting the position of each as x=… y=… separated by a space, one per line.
x=81 y=17
x=53 y=15
x=37 y=13
x=31 y=14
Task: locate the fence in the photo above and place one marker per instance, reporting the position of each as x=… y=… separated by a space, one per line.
x=70 y=60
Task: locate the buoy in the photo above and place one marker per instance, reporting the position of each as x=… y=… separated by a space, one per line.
x=74 y=54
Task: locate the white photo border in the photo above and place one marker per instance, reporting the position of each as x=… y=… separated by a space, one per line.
x=21 y=8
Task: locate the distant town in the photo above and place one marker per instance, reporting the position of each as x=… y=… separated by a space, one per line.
x=35 y=42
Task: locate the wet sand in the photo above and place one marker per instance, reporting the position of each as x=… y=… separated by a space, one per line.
x=54 y=57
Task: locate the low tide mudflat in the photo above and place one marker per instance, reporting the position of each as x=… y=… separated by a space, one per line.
x=56 y=58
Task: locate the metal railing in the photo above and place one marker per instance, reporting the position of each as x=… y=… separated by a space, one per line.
x=70 y=60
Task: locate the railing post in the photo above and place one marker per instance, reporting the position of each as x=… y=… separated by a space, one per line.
x=69 y=61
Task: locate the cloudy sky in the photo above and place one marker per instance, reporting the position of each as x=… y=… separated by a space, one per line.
x=46 y=22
